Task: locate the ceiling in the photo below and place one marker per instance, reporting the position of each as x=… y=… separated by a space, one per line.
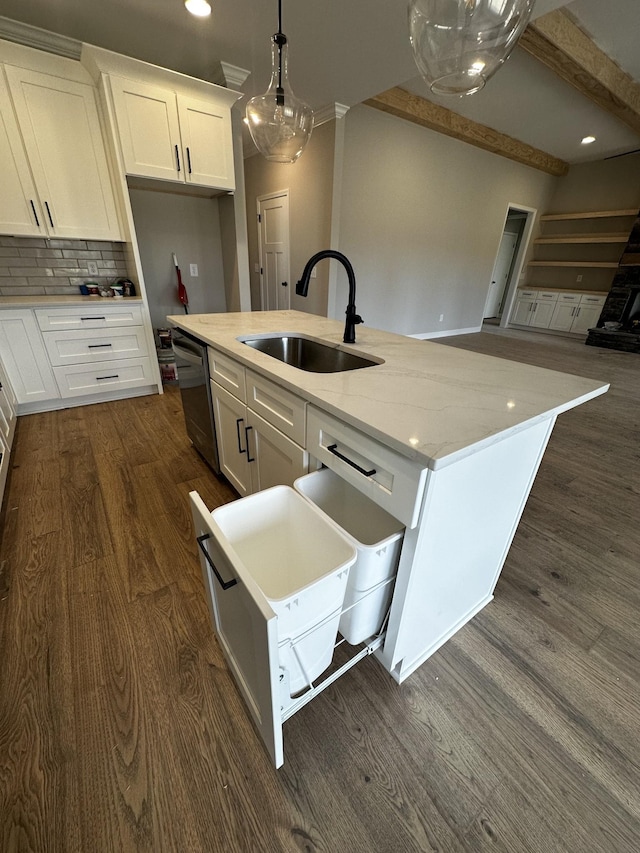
x=348 y=52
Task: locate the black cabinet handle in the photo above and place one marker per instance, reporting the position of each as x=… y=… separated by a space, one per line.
x=35 y=215
x=250 y=458
x=188 y=159
x=46 y=204
x=113 y=376
x=98 y=346
x=207 y=556
x=240 y=448
x=284 y=283
x=177 y=157
x=332 y=449
x=93 y=318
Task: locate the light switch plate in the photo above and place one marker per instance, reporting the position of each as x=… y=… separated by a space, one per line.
x=193 y=269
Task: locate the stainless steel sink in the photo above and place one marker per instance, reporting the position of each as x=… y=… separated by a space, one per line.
x=309 y=354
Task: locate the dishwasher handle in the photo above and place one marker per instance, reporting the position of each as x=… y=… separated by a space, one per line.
x=187 y=355
x=207 y=556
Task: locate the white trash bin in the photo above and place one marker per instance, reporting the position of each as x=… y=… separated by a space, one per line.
x=301 y=563
x=377 y=537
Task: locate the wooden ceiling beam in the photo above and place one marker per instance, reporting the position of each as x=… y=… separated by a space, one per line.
x=418 y=110
x=556 y=41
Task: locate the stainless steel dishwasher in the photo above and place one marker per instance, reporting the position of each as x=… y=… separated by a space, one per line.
x=193 y=380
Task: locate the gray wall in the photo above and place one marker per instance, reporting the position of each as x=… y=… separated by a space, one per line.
x=310 y=185
x=421 y=220
x=190 y=227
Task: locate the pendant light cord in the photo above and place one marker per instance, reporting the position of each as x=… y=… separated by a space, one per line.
x=280 y=39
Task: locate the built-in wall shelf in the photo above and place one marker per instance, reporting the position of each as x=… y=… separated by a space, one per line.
x=591 y=214
x=584 y=238
x=604 y=265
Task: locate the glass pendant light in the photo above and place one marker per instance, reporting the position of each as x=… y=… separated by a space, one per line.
x=280 y=124
x=459 y=44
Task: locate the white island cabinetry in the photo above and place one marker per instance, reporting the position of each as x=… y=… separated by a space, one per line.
x=446 y=441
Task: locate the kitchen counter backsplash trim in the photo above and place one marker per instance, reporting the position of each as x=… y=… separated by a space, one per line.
x=431 y=402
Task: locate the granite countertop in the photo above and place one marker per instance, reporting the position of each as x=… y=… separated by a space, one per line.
x=45 y=301
x=432 y=403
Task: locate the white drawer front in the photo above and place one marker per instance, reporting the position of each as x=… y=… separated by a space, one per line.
x=82 y=346
x=76 y=380
x=279 y=407
x=570 y=298
x=90 y=316
x=388 y=478
x=592 y=300
x=228 y=373
x=546 y=296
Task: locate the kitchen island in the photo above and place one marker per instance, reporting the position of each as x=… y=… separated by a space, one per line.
x=447 y=441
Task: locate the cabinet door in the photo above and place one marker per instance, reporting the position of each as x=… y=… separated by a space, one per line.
x=563 y=315
x=246 y=627
x=541 y=314
x=59 y=123
x=19 y=207
x=586 y=318
x=230 y=416
x=25 y=358
x=205 y=129
x=4 y=467
x=148 y=128
x=7 y=417
x=275 y=460
x=522 y=312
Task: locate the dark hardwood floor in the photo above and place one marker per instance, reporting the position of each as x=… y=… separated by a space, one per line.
x=121 y=728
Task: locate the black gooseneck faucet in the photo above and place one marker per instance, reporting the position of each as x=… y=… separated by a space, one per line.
x=302 y=288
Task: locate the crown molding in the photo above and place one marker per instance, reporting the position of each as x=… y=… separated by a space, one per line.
x=231 y=76
x=40 y=39
x=329 y=113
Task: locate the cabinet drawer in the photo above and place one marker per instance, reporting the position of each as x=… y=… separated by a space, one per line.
x=87 y=345
x=96 y=316
x=388 y=478
x=546 y=296
x=279 y=407
x=585 y=299
x=527 y=294
x=569 y=298
x=76 y=380
x=228 y=373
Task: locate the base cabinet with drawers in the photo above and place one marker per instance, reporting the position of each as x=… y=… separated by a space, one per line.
x=563 y=312
x=259 y=427
x=7 y=426
x=60 y=356
x=443 y=578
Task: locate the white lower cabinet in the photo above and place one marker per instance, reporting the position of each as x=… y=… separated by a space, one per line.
x=25 y=358
x=576 y=312
x=7 y=426
x=256 y=451
x=534 y=308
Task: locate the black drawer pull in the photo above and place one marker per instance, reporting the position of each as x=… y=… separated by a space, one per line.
x=332 y=449
x=250 y=458
x=98 y=346
x=35 y=215
x=46 y=204
x=240 y=448
x=113 y=376
x=207 y=556
x=93 y=318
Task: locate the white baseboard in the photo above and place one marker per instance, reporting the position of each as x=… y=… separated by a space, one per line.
x=423 y=336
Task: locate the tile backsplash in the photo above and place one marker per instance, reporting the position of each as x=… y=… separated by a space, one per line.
x=36 y=266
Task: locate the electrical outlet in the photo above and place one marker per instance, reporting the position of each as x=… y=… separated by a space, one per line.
x=92 y=266
x=193 y=270
x=314 y=273
x=579 y=278
x=441 y=317
x=256 y=268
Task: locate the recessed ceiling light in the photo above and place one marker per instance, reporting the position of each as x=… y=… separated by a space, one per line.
x=587 y=140
x=198 y=7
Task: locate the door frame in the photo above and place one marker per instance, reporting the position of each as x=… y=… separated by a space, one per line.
x=518 y=262
x=259 y=200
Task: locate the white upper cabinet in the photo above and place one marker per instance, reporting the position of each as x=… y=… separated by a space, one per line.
x=173 y=137
x=18 y=199
x=60 y=130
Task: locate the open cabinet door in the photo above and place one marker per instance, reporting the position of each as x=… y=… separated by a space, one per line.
x=245 y=625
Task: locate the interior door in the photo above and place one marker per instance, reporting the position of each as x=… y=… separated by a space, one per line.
x=500 y=274
x=246 y=627
x=273 y=219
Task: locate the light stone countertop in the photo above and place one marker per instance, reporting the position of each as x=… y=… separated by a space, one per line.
x=432 y=403
x=47 y=301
